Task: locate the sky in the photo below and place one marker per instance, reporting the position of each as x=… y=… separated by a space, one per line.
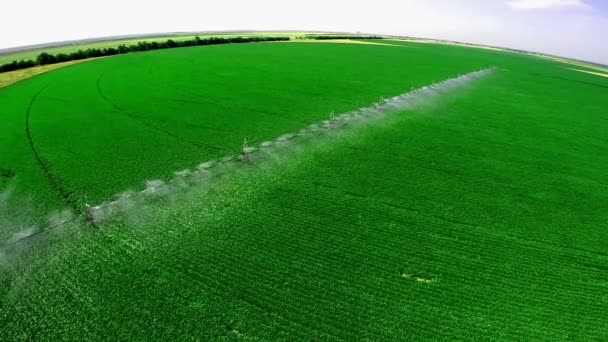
x=570 y=28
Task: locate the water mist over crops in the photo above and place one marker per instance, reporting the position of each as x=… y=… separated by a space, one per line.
x=134 y=207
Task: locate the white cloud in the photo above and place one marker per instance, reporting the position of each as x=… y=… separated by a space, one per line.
x=545 y=4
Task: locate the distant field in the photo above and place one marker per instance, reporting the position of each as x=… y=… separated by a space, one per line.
x=476 y=214
x=114 y=43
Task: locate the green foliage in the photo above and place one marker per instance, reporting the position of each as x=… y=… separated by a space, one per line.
x=480 y=216
x=7 y=173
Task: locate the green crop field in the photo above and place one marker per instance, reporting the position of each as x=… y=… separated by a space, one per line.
x=474 y=210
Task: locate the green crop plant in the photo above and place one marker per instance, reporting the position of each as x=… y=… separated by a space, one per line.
x=479 y=214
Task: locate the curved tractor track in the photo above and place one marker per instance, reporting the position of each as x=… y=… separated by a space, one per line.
x=55 y=182
x=145 y=122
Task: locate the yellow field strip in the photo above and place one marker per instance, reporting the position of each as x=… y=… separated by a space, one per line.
x=11 y=77
x=341 y=41
x=589 y=72
x=575 y=63
x=446 y=43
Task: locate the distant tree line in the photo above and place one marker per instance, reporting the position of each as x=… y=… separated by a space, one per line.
x=46 y=58
x=322 y=37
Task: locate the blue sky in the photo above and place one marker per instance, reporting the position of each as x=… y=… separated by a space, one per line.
x=572 y=28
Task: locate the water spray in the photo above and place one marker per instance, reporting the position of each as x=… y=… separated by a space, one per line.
x=89 y=212
x=245 y=151
x=96 y=215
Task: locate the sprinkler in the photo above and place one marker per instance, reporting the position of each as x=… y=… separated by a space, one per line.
x=245 y=151
x=89 y=213
x=330 y=123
